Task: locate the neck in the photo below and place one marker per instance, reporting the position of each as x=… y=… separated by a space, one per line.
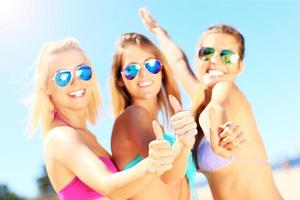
x=73 y=118
x=149 y=104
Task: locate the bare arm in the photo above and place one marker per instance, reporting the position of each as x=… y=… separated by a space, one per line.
x=174 y=55
x=64 y=142
x=222 y=134
x=135 y=125
x=137 y=122
x=177 y=173
x=184 y=126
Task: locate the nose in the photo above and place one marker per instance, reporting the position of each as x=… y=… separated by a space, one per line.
x=216 y=58
x=142 y=72
x=213 y=59
x=75 y=79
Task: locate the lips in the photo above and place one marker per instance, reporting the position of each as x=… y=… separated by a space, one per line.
x=215 y=73
x=145 y=83
x=77 y=93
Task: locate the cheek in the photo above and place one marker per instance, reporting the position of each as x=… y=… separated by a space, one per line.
x=158 y=78
x=52 y=89
x=56 y=97
x=129 y=85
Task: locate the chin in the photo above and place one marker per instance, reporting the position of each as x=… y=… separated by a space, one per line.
x=209 y=82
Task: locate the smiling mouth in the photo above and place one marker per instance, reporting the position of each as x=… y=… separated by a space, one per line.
x=215 y=73
x=77 y=93
x=145 y=84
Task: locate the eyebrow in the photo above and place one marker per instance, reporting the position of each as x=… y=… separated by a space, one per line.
x=151 y=57
x=132 y=63
x=80 y=65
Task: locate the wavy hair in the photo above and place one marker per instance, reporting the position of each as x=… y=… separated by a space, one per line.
x=120 y=96
x=42 y=105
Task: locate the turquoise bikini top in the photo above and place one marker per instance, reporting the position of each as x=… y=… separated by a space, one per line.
x=190 y=171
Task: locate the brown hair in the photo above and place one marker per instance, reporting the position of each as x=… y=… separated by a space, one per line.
x=201 y=100
x=227 y=29
x=120 y=96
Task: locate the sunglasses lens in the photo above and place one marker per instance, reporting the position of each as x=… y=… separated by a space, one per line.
x=229 y=57
x=205 y=53
x=84 y=72
x=63 y=78
x=153 y=66
x=130 y=71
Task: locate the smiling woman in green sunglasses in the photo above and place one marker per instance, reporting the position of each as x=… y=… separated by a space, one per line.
x=241 y=173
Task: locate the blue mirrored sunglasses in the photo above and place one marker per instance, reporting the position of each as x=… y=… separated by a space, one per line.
x=227 y=56
x=152 y=65
x=63 y=78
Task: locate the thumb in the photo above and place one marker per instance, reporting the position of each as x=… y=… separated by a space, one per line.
x=157 y=130
x=175 y=104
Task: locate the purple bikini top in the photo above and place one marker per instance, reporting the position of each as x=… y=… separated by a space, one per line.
x=208 y=160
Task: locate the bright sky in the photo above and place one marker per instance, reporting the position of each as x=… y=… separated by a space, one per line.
x=270 y=79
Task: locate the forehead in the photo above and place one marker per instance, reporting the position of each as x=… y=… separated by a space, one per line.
x=136 y=54
x=65 y=60
x=220 y=41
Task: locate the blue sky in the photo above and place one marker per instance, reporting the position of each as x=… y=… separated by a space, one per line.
x=270 y=79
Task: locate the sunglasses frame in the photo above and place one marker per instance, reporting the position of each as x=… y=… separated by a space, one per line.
x=138 y=68
x=203 y=58
x=71 y=72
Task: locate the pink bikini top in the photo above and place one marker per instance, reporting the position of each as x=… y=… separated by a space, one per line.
x=77 y=190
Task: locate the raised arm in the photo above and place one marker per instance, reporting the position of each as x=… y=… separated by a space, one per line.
x=174 y=55
x=64 y=142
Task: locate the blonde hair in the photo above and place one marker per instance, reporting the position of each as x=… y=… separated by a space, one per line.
x=42 y=106
x=120 y=96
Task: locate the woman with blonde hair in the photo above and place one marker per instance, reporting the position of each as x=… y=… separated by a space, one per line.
x=66 y=97
x=244 y=173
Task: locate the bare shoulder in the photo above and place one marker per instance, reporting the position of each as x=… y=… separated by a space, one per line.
x=60 y=141
x=135 y=110
x=132 y=116
x=134 y=124
x=225 y=92
x=223 y=88
x=231 y=98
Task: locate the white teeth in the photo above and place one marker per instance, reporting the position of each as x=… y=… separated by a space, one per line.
x=77 y=93
x=144 y=84
x=215 y=73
